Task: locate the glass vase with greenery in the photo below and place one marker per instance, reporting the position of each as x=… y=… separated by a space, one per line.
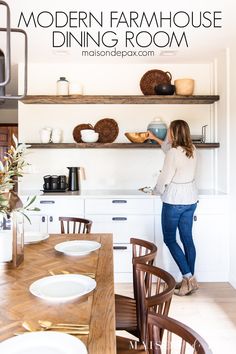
x=11 y=170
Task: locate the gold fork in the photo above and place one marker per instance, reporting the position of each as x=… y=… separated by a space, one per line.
x=31 y=327
x=50 y=325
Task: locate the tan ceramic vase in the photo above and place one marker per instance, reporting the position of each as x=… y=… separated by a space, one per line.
x=184 y=87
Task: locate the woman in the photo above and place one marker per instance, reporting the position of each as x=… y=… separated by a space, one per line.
x=176 y=185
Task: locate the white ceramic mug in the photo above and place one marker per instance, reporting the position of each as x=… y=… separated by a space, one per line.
x=45 y=135
x=56 y=135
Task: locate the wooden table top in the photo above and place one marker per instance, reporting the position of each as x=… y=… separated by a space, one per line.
x=17 y=304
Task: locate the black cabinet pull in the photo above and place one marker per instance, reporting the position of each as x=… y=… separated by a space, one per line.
x=119 y=218
x=47 y=201
x=119 y=201
x=51 y=218
x=120 y=247
x=43 y=218
x=195 y=218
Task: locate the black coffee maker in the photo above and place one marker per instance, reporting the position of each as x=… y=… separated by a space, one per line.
x=73 y=180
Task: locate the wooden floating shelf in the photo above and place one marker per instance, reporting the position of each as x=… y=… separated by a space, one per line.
x=112 y=146
x=128 y=99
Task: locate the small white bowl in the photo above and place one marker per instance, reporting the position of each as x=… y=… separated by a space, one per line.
x=87 y=131
x=91 y=138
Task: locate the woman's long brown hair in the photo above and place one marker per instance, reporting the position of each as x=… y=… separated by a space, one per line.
x=180 y=134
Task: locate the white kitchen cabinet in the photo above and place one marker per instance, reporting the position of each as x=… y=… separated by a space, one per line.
x=38 y=222
x=124 y=218
x=210 y=236
x=141 y=218
x=124 y=226
x=51 y=207
x=60 y=206
x=211 y=239
x=122 y=254
x=119 y=205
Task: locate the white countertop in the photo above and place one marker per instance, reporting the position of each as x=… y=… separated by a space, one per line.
x=92 y=193
x=114 y=193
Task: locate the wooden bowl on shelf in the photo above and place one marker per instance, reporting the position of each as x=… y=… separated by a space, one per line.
x=137 y=137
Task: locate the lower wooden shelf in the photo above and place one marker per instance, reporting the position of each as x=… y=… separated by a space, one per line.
x=120 y=99
x=111 y=146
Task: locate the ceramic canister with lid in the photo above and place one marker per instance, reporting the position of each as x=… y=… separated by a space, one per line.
x=158 y=128
x=62 y=86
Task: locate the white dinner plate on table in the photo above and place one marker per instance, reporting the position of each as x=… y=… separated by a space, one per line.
x=63 y=287
x=34 y=237
x=43 y=343
x=77 y=247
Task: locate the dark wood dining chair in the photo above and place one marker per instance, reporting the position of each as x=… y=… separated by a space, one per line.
x=155 y=288
x=126 y=308
x=169 y=336
x=71 y=225
x=178 y=338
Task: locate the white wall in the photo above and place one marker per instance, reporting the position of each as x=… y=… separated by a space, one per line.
x=222 y=119
x=232 y=158
x=114 y=169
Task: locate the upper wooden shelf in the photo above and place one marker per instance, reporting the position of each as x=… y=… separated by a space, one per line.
x=108 y=99
x=111 y=146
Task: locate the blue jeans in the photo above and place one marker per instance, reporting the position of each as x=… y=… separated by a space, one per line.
x=179 y=217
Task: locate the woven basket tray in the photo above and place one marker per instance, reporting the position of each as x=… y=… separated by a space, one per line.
x=108 y=130
x=77 y=129
x=153 y=78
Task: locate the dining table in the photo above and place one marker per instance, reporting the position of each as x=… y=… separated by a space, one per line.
x=97 y=308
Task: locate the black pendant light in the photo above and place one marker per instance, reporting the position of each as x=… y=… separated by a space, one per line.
x=5 y=58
